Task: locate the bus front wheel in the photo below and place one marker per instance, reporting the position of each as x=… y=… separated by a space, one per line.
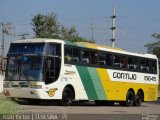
x=67 y=97
x=130 y=99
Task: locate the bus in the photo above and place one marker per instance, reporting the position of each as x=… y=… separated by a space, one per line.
x=51 y=69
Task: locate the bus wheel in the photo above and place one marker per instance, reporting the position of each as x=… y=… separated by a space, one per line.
x=138 y=99
x=67 y=96
x=130 y=99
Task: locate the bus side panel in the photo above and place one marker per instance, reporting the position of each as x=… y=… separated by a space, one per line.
x=92 y=83
x=71 y=76
x=98 y=84
x=118 y=88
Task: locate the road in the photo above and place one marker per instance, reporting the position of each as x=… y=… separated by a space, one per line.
x=90 y=111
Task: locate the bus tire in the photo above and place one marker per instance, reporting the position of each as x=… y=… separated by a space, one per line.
x=67 y=97
x=130 y=98
x=138 y=99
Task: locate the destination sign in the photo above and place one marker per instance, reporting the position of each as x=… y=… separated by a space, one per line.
x=26 y=49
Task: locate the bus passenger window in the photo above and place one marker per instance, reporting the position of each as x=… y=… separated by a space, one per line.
x=109 y=59
x=124 y=62
x=143 y=65
x=116 y=59
x=85 y=56
x=102 y=58
x=68 y=54
x=130 y=63
x=154 y=67
x=136 y=63
x=148 y=63
x=94 y=57
x=76 y=55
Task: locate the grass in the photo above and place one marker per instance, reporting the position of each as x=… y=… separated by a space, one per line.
x=7 y=105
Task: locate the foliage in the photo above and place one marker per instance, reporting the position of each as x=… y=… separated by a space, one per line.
x=154 y=47
x=47 y=26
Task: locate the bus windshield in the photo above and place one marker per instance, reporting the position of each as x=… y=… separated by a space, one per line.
x=33 y=62
x=24 y=68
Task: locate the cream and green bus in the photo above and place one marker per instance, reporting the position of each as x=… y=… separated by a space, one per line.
x=50 y=69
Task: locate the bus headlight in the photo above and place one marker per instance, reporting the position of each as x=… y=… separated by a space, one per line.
x=36 y=86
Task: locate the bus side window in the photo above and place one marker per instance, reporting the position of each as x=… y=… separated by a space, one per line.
x=143 y=65
x=68 y=54
x=148 y=64
x=124 y=62
x=76 y=55
x=102 y=58
x=117 y=62
x=136 y=63
x=85 y=57
x=109 y=59
x=94 y=57
x=130 y=63
x=153 y=67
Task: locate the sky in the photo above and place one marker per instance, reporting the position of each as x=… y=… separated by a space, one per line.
x=136 y=20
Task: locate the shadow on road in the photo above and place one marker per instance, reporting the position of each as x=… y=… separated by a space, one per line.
x=75 y=103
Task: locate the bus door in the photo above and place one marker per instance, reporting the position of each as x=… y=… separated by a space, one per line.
x=52 y=63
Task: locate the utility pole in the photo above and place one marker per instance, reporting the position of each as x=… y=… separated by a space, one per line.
x=23 y=35
x=5 y=30
x=113 y=28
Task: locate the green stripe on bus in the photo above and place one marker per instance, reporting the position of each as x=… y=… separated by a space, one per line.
x=87 y=82
x=69 y=43
x=97 y=83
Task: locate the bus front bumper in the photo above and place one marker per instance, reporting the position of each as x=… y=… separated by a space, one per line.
x=29 y=93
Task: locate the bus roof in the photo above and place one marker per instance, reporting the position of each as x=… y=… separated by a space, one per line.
x=86 y=45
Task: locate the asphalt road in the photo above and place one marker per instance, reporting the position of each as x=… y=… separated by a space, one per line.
x=89 y=111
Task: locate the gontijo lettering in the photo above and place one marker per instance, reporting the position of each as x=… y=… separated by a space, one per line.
x=125 y=76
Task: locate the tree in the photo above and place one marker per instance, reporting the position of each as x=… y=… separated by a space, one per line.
x=154 y=47
x=47 y=26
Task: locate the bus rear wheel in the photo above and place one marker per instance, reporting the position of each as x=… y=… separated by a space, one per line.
x=130 y=99
x=138 y=99
x=67 y=97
